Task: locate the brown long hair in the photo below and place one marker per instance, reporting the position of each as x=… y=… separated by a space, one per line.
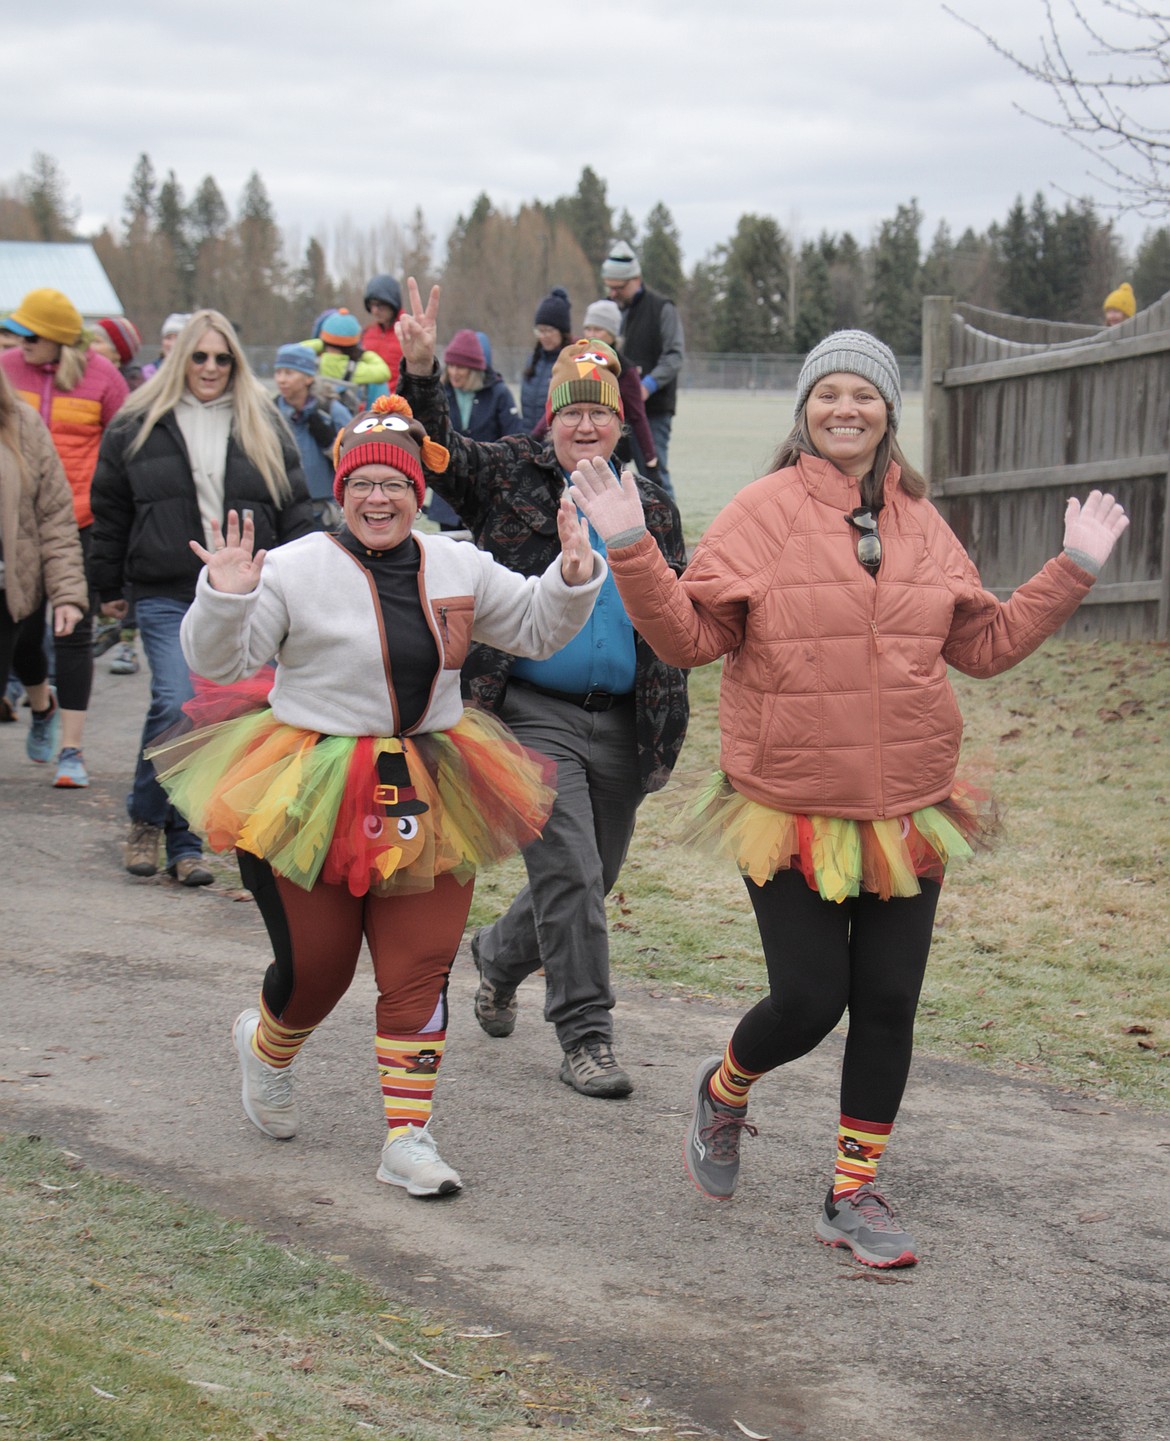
x=872 y=485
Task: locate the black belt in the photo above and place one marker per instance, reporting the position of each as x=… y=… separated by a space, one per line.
x=593 y=700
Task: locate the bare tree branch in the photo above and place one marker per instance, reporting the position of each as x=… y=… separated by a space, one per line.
x=1108 y=102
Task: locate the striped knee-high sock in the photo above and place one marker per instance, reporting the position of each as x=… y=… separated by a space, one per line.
x=730 y=1084
x=407 y=1068
x=277 y=1045
x=859 y=1149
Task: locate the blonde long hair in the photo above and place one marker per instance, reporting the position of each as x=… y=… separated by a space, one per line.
x=256 y=424
x=71 y=363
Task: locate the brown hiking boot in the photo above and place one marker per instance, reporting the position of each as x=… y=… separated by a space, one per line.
x=190 y=871
x=141 y=848
x=591 y=1068
x=495 y=1007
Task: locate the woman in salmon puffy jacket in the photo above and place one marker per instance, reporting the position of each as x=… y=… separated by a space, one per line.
x=77 y=393
x=839 y=596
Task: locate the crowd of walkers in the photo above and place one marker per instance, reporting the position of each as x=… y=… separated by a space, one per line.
x=364 y=712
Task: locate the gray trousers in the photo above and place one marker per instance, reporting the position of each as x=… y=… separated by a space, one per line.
x=558 y=920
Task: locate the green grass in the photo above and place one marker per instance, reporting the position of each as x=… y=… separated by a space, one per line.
x=128 y=1317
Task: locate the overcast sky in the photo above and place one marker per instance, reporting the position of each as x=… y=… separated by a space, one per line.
x=824 y=118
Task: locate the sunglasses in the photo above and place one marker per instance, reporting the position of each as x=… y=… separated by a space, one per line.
x=222 y=358
x=869 y=544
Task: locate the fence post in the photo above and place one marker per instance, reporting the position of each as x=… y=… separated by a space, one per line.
x=936 y=357
x=1163 y=632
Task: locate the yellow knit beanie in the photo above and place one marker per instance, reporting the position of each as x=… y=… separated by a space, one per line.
x=1122 y=299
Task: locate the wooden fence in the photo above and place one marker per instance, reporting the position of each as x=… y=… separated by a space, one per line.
x=1019 y=415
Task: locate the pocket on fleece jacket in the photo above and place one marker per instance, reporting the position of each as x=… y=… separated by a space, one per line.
x=454 y=616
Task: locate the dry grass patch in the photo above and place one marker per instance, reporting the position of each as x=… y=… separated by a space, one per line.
x=129 y=1317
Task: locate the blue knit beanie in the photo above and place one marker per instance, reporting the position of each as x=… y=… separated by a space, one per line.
x=296 y=357
x=341 y=328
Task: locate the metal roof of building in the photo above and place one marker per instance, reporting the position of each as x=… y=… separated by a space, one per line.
x=72 y=267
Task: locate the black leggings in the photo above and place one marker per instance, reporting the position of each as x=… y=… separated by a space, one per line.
x=75 y=652
x=864 y=955
x=22 y=646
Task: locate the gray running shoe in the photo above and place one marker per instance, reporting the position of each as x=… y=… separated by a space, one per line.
x=864 y=1222
x=412 y=1160
x=495 y=1007
x=711 y=1148
x=591 y=1068
x=266 y=1090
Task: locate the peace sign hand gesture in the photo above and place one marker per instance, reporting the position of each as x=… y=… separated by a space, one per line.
x=417 y=331
x=231 y=566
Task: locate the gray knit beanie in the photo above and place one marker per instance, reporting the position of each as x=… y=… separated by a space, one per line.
x=857 y=353
x=621 y=263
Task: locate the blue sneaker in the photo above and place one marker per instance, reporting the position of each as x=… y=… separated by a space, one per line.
x=41 y=741
x=71 y=772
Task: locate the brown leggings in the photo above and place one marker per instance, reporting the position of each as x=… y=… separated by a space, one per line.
x=317 y=937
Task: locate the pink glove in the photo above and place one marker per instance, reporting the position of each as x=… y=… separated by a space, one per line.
x=1093 y=528
x=612 y=507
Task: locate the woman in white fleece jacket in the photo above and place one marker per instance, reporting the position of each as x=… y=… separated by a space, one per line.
x=358 y=793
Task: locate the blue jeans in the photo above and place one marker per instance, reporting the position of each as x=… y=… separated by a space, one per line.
x=660 y=430
x=159 y=618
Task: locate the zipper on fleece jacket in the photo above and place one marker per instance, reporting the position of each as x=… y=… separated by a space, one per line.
x=875 y=699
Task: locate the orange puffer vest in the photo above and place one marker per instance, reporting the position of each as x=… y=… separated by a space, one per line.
x=76 y=418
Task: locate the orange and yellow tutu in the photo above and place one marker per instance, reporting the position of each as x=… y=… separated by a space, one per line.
x=313 y=806
x=840 y=858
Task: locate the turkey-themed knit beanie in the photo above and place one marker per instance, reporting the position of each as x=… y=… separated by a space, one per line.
x=854 y=352
x=585 y=372
x=387 y=434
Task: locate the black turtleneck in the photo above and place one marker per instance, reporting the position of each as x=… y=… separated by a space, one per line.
x=414 y=656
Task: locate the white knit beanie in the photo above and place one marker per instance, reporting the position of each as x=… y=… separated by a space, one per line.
x=855 y=352
x=621 y=263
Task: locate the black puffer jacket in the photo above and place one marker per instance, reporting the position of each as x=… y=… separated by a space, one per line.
x=145 y=510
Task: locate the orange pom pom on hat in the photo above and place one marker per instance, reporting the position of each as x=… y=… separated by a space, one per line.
x=387 y=434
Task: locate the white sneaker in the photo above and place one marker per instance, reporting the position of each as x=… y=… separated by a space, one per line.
x=412 y=1160
x=267 y=1090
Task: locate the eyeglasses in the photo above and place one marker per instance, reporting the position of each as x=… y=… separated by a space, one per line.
x=222 y=358
x=869 y=544
x=396 y=489
x=597 y=416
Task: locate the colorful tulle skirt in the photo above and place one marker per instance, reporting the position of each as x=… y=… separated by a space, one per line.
x=382 y=814
x=840 y=858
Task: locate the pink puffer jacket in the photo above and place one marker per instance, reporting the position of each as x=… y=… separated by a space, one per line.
x=835 y=698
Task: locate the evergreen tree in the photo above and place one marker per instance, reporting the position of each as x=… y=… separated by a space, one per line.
x=138 y=206
x=661 y=253
x=846 y=280
x=259 y=273
x=814 y=299
x=626 y=228
x=698 y=306
x=753 y=314
x=170 y=219
x=1151 y=273
x=895 y=299
x=45 y=193
x=419 y=257
x=588 y=216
